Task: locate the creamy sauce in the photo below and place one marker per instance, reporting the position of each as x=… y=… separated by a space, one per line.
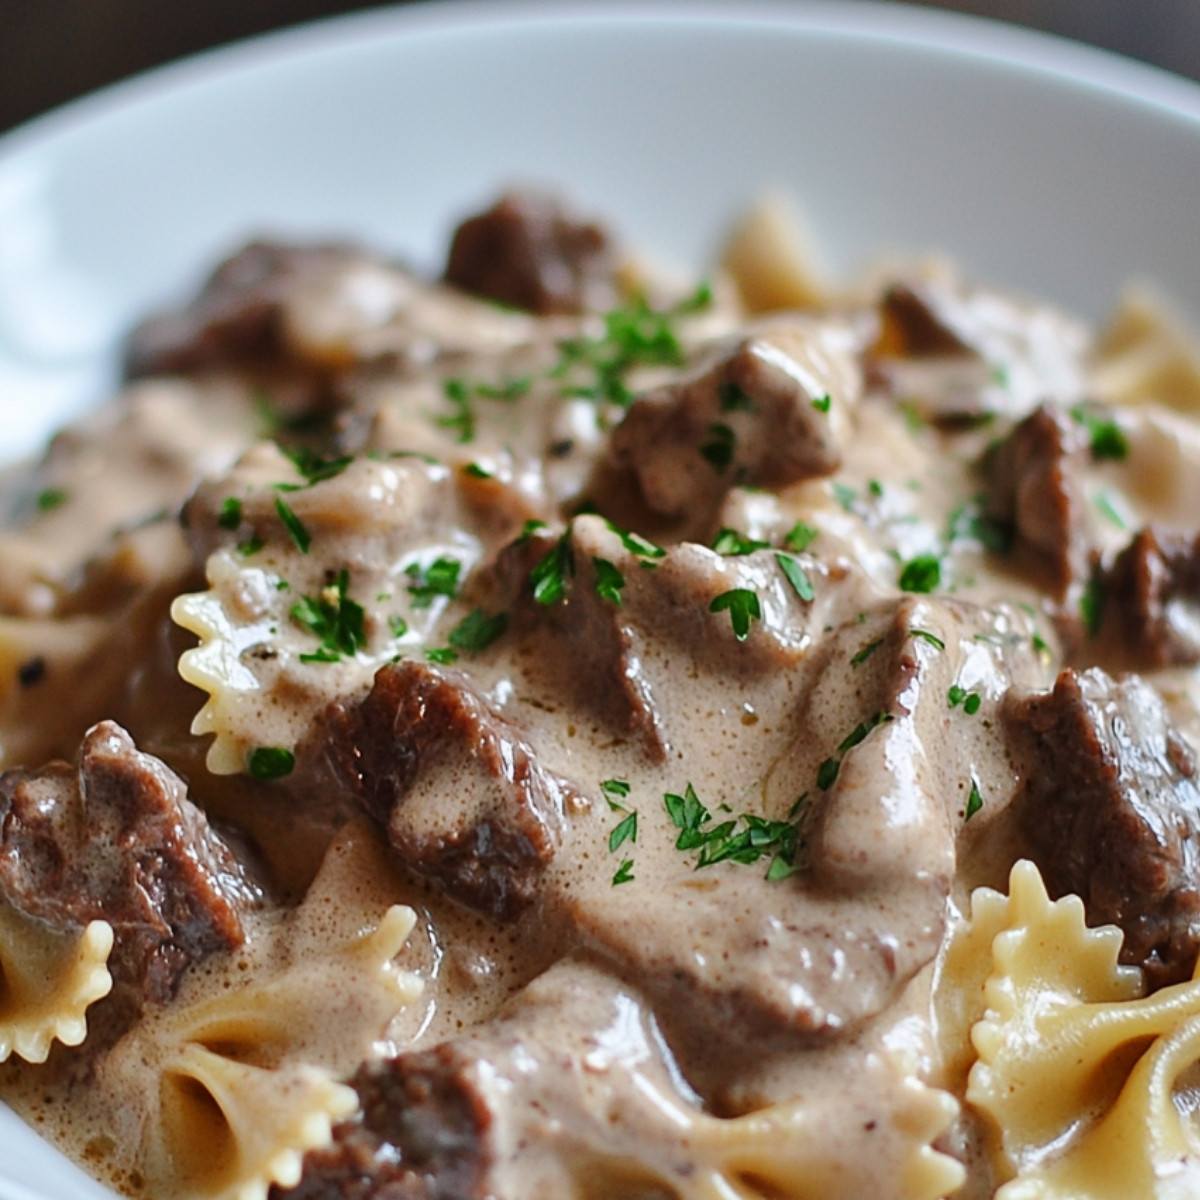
x=625 y=1022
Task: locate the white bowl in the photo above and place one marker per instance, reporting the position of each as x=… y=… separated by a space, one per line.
x=1039 y=164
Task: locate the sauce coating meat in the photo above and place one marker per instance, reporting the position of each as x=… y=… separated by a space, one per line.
x=569 y=723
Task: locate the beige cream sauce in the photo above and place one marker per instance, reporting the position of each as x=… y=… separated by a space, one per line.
x=750 y=739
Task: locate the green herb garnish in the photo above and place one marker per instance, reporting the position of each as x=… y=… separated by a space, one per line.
x=921 y=574
x=866 y=652
x=718 y=450
x=822 y=403
x=609 y=580
x=795 y=574
x=730 y=543
x=477 y=631
x=624 y=873
x=230 y=515
x=440 y=578
x=800 y=537
x=332 y=617
x=624 y=831
x=742 y=606
x=295 y=527
x=270 y=762
x=974 y=801
x=550 y=574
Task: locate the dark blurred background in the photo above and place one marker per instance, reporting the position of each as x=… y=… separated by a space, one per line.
x=53 y=50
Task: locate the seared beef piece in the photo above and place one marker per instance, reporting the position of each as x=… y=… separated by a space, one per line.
x=1034 y=489
x=421 y=1136
x=961 y=353
x=457 y=787
x=118 y=840
x=1110 y=809
x=237 y=319
x=767 y=410
x=1152 y=601
x=604 y=645
x=527 y=252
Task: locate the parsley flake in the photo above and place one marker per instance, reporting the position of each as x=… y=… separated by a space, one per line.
x=866 y=652
x=624 y=873
x=1091 y=605
x=440 y=578
x=230 y=515
x=845 y=496
x=974 y=801
x=48 y=499
x=614 y=790
x=551 y=572
x=635 y=543
x=338 y=621
x=477 y=631
x=731 y=543
x=316 y=469
x=294 y=526
x=925 y=636
x=795 y=574
x=624 y=831
x=718 y=450
x=609 y=580
x=822 y=403
x=1107 y=437
x=270 y=762
x=442 y=655
x=742 y=606
x=800 y=537
x=921 y=574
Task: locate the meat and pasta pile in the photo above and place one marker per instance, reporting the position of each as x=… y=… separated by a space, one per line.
x=557 y=731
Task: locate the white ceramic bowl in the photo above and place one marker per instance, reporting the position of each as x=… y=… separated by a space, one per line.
x=1039 y=164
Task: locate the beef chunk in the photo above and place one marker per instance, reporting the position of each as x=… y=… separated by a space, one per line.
x=118 y=840
x=1152 y=601
x=767 y=410
x=527 y=252
x=458 y=787
x=1110 y=809
x=1034 y=489
x=420 y=1137
x=238 y=317
x=963 y=353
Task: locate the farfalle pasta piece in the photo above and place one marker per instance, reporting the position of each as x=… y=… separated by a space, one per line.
x=232 y=1130
x=47 y=982
x=1082 y=1109
x=245 y=1090
x=784 y=1152
x=314 y=581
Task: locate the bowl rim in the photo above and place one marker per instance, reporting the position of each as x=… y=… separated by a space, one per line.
x=964 y=36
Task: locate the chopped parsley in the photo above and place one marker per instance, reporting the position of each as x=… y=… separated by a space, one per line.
x=742 y=606
x=822 y=403
x=442 y=655
x=730 y=543
x=529 y=529
x=398 y=625
x=969 y=521
x=230 y=515
x=440 y=578
x=475 y=471
x=270 y=762
x=795 y=574
x=1108 y=439
x=48 y=499
x=974 y=800
x=316 y=469
x=1091 y=605
x=635 y=543
x=969 y=700
x=846 y=496
x=1105 y=507
x=800 y=537
x=614 y=790
x=733 y=398
x=624 y=831
x=718 y=450
x=477 y=631
x=925 y=636
x=609 y=580
x=634 y=335
x=251 y=545
x=1040 y=645
x=624 y=873
x=295 y=527
x=875 y=488
x=828 y=771
x=921 y=574
x=866 y=652
x=746 y=839
x=551 y=572
x=332 y=617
